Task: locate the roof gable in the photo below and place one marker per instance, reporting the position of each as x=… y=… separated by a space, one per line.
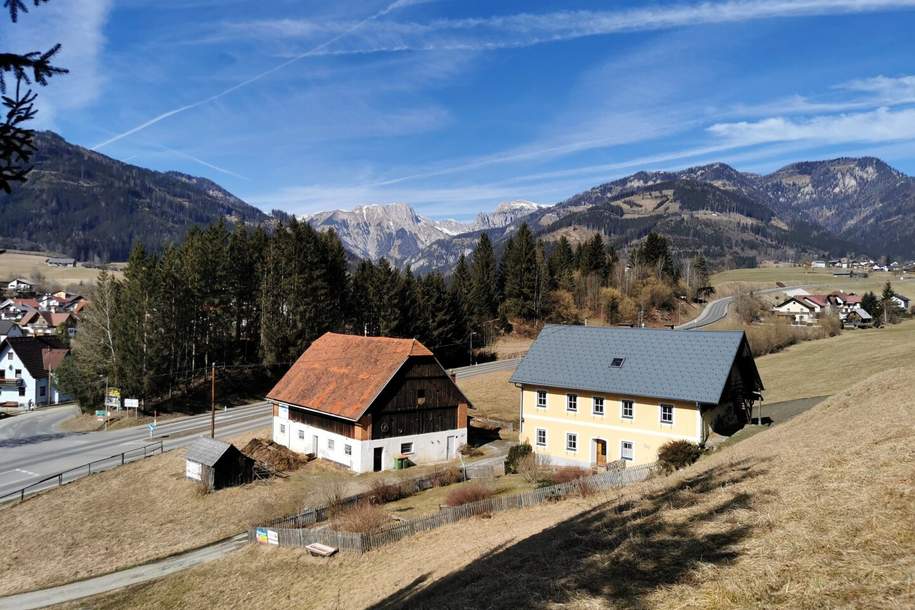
x=342 y=375
x=38 y=354
x=671 y=364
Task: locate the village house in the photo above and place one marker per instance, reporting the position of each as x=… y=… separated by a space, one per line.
x=799 y=310
x=27 y=370
x=19 y=285
x=858 y=318
x=902 y=302
x=589 y=395
x=370 y=404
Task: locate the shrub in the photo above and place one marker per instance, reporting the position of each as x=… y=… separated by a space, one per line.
x=447 y=476
x=361 y=518
x=469 y=450
x=535 y=468
x=564 y=474
x=675 y=455
x=201 y=489
x=474 y=491
x=332 y=494
x=382 y=491
x=515 y=454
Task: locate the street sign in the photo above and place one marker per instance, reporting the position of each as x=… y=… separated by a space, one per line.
x=100 y=413
x=112 y=401
x=114 y=392
x=152 y=428
x=132 y=403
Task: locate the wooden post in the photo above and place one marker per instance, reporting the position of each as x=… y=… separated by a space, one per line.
x=213 y=401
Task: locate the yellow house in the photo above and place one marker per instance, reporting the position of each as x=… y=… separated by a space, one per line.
x=589 y=395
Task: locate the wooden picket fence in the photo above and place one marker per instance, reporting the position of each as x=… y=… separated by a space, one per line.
x=295 y=531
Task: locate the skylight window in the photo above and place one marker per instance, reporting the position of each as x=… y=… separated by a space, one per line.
x=617 y=363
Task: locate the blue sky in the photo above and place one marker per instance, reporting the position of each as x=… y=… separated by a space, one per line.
x=453 y=106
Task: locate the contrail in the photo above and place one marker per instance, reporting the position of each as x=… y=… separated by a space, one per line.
x=253 y=79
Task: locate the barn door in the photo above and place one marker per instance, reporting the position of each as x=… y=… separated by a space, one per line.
x=450 y=448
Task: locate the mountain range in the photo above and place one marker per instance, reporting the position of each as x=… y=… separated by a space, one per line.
x=92 y=207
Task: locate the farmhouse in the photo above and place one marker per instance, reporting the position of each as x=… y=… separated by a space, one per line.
x=19 y=285
x=27 y=367
x=217 y=464
x=590 y=395
x=901 y=301
x=369 y=403
x=799 y=309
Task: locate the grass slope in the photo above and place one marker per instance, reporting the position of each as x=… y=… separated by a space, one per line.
x=827 y=366
x=818 y=512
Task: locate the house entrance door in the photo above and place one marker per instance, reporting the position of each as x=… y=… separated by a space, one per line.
x=600 y=452
x=378 y=459
x=314 y=445
x=450 y=448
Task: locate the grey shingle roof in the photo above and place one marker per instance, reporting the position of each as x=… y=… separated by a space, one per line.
x=206 y=451
x=671 y=364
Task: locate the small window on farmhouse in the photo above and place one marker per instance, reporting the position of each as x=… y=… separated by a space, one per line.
x=348 y=449
x=42 y=390
x=541 y=437
x=420 y=396
x=406 y=448
x=301 y=434
x=9 y=355
x=626 y=450
x=626 y=412
x=667 y=414
x=598 y=405
x=541 y=399
x=617 y=363
x=571 y=402
x=22 y=391
x=18 y=373
x=330 y=443
x=282 y=428
x=571 y=441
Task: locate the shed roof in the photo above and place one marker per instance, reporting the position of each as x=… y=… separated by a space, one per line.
x=657 y=363
x=342 y=375
x=207 y=451
x=6 y=326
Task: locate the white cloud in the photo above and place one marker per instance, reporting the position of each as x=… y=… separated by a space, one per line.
x=79 y=27
x=880 y=125
x=525 y=29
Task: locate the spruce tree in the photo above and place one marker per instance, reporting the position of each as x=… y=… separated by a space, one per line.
x=484 y=302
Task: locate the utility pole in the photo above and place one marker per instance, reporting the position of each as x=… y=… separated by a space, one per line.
x=213 y=401
x=105 y=403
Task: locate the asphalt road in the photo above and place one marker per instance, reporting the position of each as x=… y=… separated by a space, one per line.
x=33 y=448
x=486 y=367
x=718 y=309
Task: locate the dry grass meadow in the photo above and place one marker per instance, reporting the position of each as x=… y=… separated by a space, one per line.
x=816 y=513
x=766 y=277
x=143 y=511
x=492 y=395
x=32 y=266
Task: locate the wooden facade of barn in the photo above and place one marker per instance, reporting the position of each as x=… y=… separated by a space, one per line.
x=217 y=464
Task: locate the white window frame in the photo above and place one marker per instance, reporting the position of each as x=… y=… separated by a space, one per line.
x=572 y=446
x=282 y=428
x=661 y=413
x=623 y=450
x=623 y=409
x=594 y=403
x=409 y=446
x=537 y=437
x=348 y=449
x=572 y=403
x=330 y=444
x=541 y=394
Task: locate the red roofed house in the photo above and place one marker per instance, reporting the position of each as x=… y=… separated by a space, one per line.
x=365 y=401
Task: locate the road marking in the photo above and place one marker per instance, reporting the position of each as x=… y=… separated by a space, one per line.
x=28 y=472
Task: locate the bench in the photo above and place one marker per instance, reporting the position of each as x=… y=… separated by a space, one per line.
x=320 y=550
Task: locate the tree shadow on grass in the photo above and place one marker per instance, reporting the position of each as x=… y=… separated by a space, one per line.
x=614 y=554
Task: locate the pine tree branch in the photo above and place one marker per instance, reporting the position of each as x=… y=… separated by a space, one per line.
x=15 y=6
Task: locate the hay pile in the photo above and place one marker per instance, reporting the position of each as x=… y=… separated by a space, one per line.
x=277 y=457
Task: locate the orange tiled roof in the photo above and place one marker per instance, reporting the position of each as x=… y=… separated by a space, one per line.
x=342 y=374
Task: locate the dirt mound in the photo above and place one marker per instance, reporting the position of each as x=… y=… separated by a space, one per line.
x=274 y=455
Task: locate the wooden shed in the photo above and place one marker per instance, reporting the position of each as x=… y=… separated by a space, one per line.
x=218 y=464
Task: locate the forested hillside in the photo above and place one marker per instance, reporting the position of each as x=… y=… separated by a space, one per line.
x=94 y=208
